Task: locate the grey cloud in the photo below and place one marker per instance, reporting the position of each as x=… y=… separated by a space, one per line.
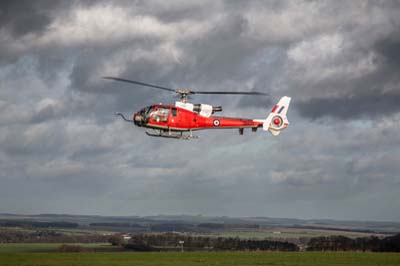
x=355 y=95
x=389 y=49
x=367 y=106
x=23 y=17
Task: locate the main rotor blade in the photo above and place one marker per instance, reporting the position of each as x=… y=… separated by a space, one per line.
x=231 y=92
x=139 y=83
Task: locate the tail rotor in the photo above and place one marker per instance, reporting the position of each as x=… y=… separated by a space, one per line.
x=277 y=119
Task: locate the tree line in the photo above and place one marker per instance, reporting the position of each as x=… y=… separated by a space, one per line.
x=48 y=236
x=150 y=242
x=342 y=243
x=37 y=224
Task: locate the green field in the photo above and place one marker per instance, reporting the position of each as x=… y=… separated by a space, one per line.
x=47 y=247
x=200 y=258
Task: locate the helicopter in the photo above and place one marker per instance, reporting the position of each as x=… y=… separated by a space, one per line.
x=180 y=120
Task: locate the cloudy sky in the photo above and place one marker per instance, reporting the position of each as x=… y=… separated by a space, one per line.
x=63 y=151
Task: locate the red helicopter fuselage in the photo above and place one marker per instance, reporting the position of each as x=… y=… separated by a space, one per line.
x=170 y=121
x=173 y=118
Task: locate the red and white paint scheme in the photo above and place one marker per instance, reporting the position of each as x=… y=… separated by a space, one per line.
x=171 y=121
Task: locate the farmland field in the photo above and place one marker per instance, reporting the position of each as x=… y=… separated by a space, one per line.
x=47 y=247
x=286 y=233
x=200 y=258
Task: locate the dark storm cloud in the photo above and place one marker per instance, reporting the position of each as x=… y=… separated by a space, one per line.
x=369 y=97
x=368 y=93
x=389 y=49
x=373 y=95
x=24 y=17
x=369 y=106
x=33 y=17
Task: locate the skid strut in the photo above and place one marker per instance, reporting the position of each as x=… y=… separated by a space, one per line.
x=171 y=134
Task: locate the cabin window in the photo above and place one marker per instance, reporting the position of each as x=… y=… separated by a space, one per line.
x=174 y=112
x=161 y=114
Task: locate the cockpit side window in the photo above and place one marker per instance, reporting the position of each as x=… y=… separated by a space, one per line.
x=161 y=114
x=174 y=111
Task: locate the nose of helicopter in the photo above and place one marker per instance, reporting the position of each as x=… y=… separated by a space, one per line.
x=137 y=119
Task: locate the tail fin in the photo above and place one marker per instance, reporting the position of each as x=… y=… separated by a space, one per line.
x=277 y=120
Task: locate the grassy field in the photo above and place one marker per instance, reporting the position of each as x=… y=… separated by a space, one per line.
x=46 y=255
x=200 y=258
x=47 y=247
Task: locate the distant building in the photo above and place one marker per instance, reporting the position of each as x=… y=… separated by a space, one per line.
x=126 y=237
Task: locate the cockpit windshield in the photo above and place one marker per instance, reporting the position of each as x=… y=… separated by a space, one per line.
x=156 y=113
x=148 y=112
x=145 y=113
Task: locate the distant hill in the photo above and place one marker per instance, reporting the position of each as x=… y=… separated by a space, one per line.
x=199 y=223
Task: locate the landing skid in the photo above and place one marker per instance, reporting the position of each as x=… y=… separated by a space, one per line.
x=172 y=135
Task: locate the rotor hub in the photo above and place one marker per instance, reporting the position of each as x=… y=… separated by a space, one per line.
x=184 y=93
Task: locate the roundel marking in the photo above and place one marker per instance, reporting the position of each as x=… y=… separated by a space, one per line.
x=276 y=121
x=216 y=123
